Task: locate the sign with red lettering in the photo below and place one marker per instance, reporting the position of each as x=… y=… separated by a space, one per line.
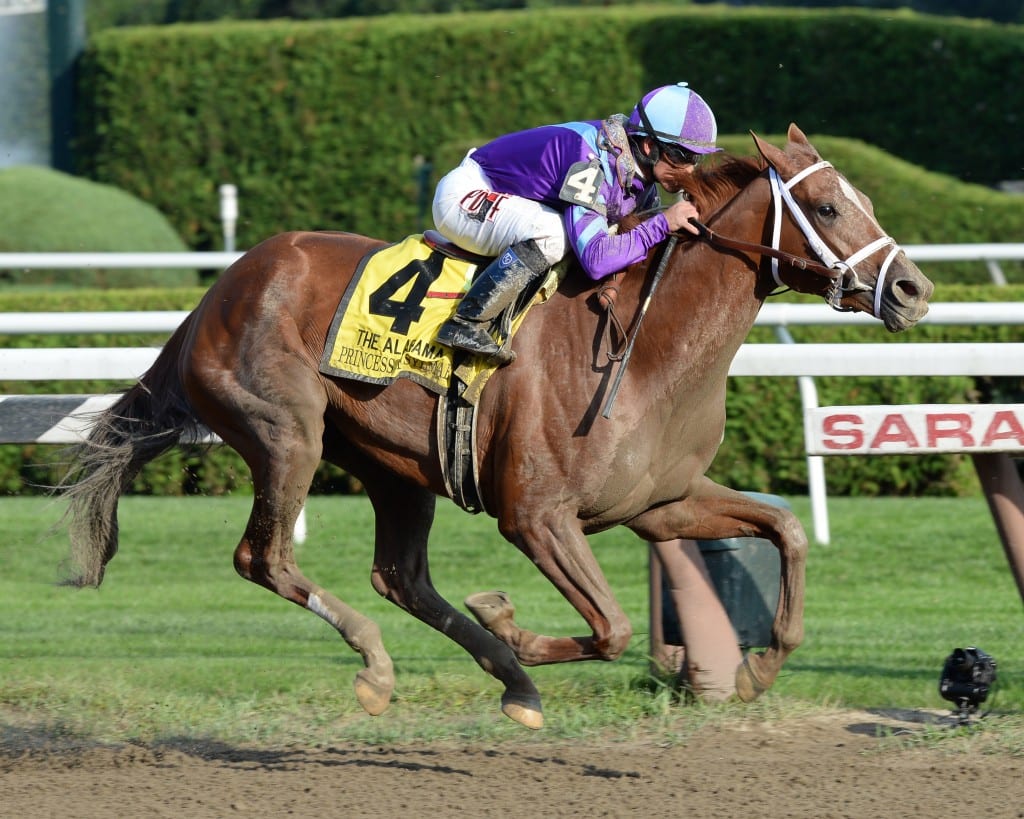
x=915 y=430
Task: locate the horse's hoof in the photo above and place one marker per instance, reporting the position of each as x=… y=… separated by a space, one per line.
x=490 y=608
x=529 y=715
x=748 y=686
x=372 y=695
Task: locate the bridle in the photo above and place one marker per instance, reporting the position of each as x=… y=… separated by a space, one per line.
x=842 y=272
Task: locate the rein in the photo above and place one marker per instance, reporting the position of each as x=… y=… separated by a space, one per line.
x=670 y=245
x=717 y=240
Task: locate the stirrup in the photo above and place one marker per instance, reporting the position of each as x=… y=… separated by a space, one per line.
x=468 y=336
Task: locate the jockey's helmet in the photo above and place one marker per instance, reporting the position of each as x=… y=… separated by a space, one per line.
x=678 y=116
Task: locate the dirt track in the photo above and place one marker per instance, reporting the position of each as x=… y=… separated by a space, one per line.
x=822 y=766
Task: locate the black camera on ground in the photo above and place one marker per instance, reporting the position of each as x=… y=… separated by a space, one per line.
x=967 y=676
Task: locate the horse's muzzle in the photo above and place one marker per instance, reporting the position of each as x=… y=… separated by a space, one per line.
x=903 y=300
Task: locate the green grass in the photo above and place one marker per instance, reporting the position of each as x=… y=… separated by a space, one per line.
x=175 y=645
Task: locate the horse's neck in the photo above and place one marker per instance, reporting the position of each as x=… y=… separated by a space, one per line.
x=708 y=299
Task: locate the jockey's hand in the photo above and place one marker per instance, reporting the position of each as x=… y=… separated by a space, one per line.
x=679 y=215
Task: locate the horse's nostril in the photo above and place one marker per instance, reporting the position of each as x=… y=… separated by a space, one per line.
x=909 y=288
x=912 y=288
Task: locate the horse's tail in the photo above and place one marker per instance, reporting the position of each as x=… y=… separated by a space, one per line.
x=146 y=421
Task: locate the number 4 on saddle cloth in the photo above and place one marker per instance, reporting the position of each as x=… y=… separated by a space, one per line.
x=400 y=295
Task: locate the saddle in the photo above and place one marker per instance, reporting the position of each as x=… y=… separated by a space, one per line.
x=385 y=328
x=438 y=242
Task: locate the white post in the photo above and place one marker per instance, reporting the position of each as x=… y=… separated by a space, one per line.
x=995 y=272
x=299 y=532
x=229 y=215
x=815 y=463
x=815 y=467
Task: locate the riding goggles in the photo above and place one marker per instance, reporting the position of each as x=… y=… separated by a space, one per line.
x=675 y=155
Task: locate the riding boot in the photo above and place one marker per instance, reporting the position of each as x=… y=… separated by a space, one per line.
x=494 y=289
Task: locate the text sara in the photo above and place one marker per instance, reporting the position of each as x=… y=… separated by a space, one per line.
x=905 y=431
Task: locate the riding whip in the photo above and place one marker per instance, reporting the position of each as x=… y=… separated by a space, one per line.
x=669 y=247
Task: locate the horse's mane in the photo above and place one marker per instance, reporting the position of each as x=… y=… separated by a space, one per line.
x=713 y=184
x=710 y=185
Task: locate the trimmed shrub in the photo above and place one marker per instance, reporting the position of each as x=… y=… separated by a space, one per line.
x=43 y=210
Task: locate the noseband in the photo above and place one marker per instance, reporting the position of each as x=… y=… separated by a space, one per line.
x=845 y=279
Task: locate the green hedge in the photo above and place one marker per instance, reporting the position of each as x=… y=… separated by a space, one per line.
x=106 y=13
x=763 y=447
x=320 y=124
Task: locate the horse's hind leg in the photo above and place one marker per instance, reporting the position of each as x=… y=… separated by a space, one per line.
x=281 y=441
x=265 y=556
x=401 y=573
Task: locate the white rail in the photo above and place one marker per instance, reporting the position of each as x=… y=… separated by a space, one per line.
x=128 y=363
x=211 y=260
x=150 y=321
x=966 y=253
x=989 y=253
x=773 y=314
x=1006 y=251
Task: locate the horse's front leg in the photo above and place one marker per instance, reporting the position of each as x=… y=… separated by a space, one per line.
x=557 y=546
x=712 y=512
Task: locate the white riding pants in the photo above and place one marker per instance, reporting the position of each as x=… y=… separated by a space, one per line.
x=469 y=212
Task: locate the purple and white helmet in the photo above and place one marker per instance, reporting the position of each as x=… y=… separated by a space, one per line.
x=678 y=116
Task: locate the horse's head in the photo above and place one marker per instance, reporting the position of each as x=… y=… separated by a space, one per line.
x=817 y=212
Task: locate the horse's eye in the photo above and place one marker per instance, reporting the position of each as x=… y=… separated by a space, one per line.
x=827 y=211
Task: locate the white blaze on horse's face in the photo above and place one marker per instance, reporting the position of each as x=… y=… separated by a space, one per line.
x=854 y=196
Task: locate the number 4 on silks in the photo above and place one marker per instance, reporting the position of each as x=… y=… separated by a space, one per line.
x=582 y=184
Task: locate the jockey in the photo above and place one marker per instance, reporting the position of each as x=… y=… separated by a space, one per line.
x=526 y=197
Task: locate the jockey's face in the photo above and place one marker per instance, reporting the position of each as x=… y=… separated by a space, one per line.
x=674 y=165
x=671 y=177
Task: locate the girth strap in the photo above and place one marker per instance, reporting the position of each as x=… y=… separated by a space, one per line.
x=456 y=439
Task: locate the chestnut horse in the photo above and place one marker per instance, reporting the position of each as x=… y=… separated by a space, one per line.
x=552 y=468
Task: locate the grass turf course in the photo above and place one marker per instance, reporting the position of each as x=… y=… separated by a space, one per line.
x=174 y=644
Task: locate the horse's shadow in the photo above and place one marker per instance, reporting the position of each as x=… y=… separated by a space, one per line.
x=291 y=758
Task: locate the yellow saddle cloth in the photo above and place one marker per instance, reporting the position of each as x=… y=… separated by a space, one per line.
x=386 y=325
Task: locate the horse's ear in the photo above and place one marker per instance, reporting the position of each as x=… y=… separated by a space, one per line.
x=775 y=157
x=796 y=135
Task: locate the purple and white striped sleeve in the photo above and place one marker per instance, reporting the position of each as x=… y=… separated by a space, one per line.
x=602 y=253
